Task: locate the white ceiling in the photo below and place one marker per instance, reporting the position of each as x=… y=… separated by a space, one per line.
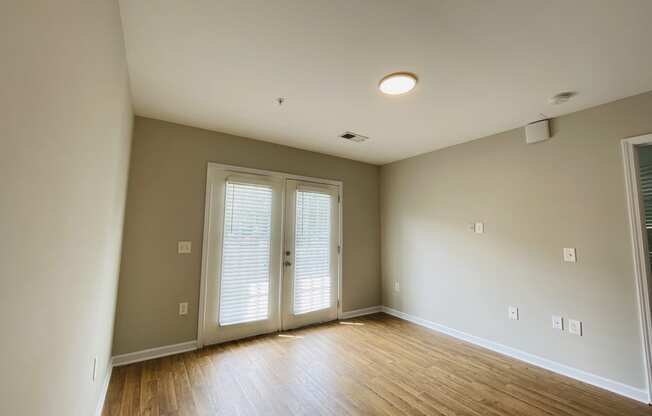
x=483 y=66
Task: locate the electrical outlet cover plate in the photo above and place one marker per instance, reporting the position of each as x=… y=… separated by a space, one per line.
x=513 y=313
x=557 y=322
x=575 y=327
x=94 y=369
x=397 y=286
x=479 y=228
x=569 y=255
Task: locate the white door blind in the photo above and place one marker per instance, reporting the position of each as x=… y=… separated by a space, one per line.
x=244 y=290
x=312 y=272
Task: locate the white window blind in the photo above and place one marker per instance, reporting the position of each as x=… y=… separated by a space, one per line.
x=312 y=272
x=244 y=289
x=645 y=174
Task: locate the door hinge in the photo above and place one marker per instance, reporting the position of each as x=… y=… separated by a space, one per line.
x=339 y=198
x=338 y=303
x=339 y=249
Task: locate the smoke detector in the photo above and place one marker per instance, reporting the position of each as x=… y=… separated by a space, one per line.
x=562 y=97
x=353 y=137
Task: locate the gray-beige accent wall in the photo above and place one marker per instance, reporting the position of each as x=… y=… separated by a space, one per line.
x=165 y=203
x=534 y=200
x=65 y=130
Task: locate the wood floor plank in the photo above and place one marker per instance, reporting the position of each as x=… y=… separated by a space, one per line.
x=379 y=365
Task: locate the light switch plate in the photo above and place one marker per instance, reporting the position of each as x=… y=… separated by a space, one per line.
x=513 y=313
x=575 y=327
x=184 y=247
x=569 y=255
x=397 y=286
x=479 y=228
x=558 y=322
x=183 y=308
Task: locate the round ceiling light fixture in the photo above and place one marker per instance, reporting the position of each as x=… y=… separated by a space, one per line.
x=397 y=83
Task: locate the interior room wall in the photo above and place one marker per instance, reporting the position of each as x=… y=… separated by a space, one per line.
x=534 y=200
x=66 y=117
x=165 y=204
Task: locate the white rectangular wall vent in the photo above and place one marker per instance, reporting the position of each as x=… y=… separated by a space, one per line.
x=353 y=137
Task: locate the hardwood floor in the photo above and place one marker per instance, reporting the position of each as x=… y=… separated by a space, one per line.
x=379 y=366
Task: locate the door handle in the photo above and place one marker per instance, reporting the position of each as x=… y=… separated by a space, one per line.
x=287 y=263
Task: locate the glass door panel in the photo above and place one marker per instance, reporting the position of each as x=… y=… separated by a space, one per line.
x=311 y=254
x=243 y=258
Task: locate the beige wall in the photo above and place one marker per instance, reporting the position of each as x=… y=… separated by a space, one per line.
x=165 y=204
x=65 y=117
x=534 y=200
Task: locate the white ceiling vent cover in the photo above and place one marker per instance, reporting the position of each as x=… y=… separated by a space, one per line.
x=353 y=137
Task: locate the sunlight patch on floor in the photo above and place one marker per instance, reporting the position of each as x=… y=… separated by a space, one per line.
x=290 y=336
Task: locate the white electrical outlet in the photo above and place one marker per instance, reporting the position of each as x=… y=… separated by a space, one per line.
x=183 y=308
x=479 y=228
x=397 y=286
x=513 y=313
x=94 y=369
x=184 y=247
x=558 y=322
x=569 y=255
x=575 y=327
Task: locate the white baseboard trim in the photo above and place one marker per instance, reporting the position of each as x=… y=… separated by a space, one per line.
x=631 y=392
x=151 y=353
x=105 y=390
x=361 y=312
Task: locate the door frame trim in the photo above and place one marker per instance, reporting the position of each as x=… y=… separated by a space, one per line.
x=207 y=209
x=639 y=247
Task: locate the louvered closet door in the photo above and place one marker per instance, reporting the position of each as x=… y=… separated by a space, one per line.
x=243 y=259
x=311 y=267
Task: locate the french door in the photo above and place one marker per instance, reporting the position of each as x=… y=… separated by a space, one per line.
x=271 y=254
x=311 y=254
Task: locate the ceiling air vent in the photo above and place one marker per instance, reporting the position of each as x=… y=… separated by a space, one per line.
x=353 y=137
